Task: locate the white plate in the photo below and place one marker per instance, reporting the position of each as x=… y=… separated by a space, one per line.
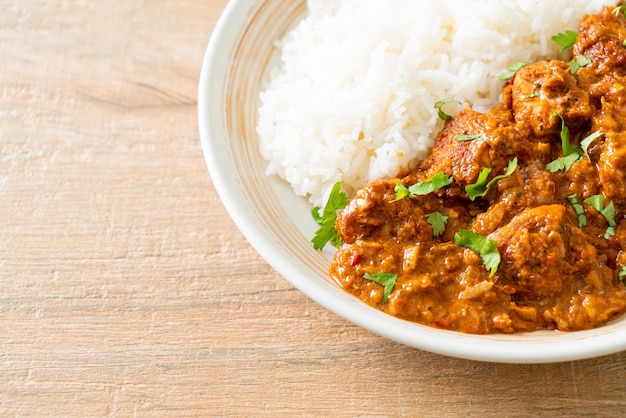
x=278 y=223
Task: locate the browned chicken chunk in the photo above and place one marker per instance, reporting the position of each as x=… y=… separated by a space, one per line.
x=544 y=90
x=497 y=142
x=601 y=41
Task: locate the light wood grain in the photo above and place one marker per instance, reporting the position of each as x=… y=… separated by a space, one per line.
x=126 y=290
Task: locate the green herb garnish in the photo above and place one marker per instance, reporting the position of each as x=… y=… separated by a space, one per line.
x=387 y=280
x=470 y=137
x=439 y=106
x=576 y=63
x=622 y=276
x=565 y=39
x=511 y=70
x=608 y=211
x=579 y=210
x=571 y=153
x=337 y=200
x=563 y=163
x=482 y=187
x=585 y=143
x=486 y=248
x=566 y=145
x=438 y=221
x=436 y=182
x=618 y=10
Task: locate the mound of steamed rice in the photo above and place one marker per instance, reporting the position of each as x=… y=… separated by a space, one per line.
x=352 y=98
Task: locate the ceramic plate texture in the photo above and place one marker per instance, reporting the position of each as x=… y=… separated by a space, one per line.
x=278 y=223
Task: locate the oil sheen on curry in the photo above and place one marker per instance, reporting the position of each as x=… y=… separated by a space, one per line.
x=515 y=222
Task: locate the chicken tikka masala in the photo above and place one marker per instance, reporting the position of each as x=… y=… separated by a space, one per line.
x=515 y=222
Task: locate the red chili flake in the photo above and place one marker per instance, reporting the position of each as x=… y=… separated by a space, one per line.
x=355 y=260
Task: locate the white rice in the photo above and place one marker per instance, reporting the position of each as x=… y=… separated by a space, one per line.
x=352 y=97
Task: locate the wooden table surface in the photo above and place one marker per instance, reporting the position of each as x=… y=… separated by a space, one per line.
x=119 y=261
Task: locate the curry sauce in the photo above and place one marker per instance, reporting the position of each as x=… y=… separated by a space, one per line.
x=555 y=216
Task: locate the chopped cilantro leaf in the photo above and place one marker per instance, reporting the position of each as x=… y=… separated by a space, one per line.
x=470 y=137
x=436 y=182
x=571 y=153
x=585 y=143
x=563 y=163
x=439 y=106
x=576 y=63
x=482 y=187
x=566 y=145
x=401 y=191
x=622 y=276
x=486 y=248
x=579 y=210
x=326 y=233
x=608 y=211
x=596 y=202
x=387 y=280
x=438 y=221
x=565 y=39
x=618 y=10
x=511 y=70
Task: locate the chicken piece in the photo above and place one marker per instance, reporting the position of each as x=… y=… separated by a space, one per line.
x=601 y=40
x=581 y=179
x=504 y=109
x=542 y=249
x=528 y=187
x=498 y=143
x=374 y=213
x=543 y=89
x=608 y=88
x=609 y=151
